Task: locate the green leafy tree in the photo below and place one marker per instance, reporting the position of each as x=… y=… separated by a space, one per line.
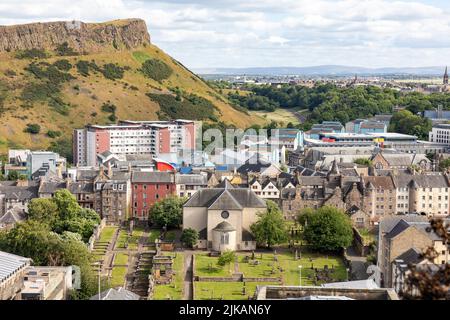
x=270 y=229
x=63 y=147
x=67 y=204
x=189 y=237
x=363 y=162
x=35 y=240
x=44 y=211
x=327 y=228
x=406 y=122
x=168 y=212
x=226 y=257
x=444 y=164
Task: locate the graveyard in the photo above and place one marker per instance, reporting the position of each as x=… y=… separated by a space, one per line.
x=262 y=268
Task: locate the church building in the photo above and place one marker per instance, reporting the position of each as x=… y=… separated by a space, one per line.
x=223 y=217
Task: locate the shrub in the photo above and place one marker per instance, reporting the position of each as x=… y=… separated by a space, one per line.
x=112 y=117
x=38 y=91
x=83 y=68
x=63 y=65
x=189 y=237
x=64 y=50
x=33 y=128
x=109 y=107
x=32 y=54
x=363 y=162
x=156 y=70
x=53 y=134
x=112 y=71
x=192 y=107
x=10 y=73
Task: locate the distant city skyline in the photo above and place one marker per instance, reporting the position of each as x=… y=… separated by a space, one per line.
x=271 y=33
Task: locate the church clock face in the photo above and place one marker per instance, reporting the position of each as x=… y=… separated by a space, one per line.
x=225 y=214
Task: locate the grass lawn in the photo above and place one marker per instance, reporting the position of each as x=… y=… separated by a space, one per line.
x=134 y=239
x=225 y=290
x=207 y=266
x=118 y=276
x=107 y=234
x=170 y=235
x=279 y=115
x=141 y=56
x=122 y=239
x=290 y=266
x=121 y=259
x=175 y=289
x=267 y=267
x=153 y=235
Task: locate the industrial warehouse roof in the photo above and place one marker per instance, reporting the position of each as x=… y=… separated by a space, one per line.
x=152 y=177
x=191 y=179
x=11 y=263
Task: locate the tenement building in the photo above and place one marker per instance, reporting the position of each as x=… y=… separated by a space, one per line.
x=132 y=138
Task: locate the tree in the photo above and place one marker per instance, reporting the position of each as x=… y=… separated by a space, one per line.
x=363 y=162
x=444 y=164
x=67 y=204
x=406 y=122
x=35 y=240
x=270 y=229
x=43 y=210
x=189 y=237
x=327 y=228
x=226 y=257
x=168 y=212
x=63 y=213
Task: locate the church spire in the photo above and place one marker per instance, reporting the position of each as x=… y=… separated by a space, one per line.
x=446 y=76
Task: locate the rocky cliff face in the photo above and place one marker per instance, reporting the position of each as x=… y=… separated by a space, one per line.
x=83 y=37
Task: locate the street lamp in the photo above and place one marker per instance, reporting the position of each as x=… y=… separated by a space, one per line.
x=300 y=269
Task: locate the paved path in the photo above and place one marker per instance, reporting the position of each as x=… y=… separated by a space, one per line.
x=187 y=270
x=358 y=265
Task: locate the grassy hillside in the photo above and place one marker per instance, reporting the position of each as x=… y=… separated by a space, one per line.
x=59 y=93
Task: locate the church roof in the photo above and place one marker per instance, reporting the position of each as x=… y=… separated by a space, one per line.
x=225 y=199
x=224 y=226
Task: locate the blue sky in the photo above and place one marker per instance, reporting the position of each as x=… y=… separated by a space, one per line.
x=235 y=33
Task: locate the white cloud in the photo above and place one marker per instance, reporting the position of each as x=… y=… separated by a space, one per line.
x=203 y=33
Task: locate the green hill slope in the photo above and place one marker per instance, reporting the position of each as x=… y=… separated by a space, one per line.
x=60 y=89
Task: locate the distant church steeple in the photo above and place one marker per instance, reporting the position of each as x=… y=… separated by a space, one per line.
x=445 y=76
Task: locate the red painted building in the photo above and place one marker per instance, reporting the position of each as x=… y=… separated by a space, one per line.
x=149 y=188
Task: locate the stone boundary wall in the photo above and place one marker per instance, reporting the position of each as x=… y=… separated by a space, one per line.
x=96 y=234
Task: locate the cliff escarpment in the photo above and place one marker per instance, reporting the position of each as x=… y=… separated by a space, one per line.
x=82 y=37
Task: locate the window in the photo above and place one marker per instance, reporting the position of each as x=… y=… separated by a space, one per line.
x=225 y=214
x=224 y=238
x=157 y=196
x=145 y=187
